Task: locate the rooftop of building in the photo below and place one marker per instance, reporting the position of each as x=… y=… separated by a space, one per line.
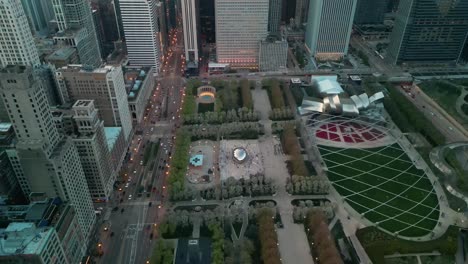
x=112 y=134
x=86 y=69
x=42 y=212
x=134 y=79
x=82 y=103
x=327 y=84
x=24 y=238
x=61 y=54
x=68 y=33
x=15 y=68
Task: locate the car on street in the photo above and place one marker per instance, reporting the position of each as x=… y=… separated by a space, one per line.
x=130 y=197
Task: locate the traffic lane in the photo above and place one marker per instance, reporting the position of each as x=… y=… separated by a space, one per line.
x=118 y=245
x=442 y=124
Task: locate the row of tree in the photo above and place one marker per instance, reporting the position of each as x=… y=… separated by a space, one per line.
x=255 y=186
x=246 y=95
x=300 y=185
x=230 y=96
x=321 y=241
x=293 y=149
x=301 y=211
x=179 y=163
x=278 y=126
x=163 y=253
x=240 y=252
x=268 y=237
x=249 y=129
x=276 y=95
x=192 y=85
x=217 y=243
x=240 y=115
x=184 y=217
x=185 y=194
x=284 y=113
x=189 y=107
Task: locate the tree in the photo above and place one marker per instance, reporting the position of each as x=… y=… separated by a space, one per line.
x=320 y=238
x=246 y=94
x=267 y=236
x=277 y=100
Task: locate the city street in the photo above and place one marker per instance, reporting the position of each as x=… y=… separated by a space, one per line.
x=442 y=121
x=129 y=224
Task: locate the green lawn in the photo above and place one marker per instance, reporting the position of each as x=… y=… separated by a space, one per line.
x=383 y=185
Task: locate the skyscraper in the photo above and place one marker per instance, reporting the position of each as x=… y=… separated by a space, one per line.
x=207 y=21
x=76 y=28
x=49 y=162
x=16 y=41
x=106 y=18
x=140 y=23
x=106 y=86
x=301 y=13
x=329 y=28
x=91 y=143
x=240 y=26
x=274 y=16
x=190 y=22
x=428 y=31
x=39 y=13
x=370 y=11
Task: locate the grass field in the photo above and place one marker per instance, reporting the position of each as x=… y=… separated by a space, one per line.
x=383 y=185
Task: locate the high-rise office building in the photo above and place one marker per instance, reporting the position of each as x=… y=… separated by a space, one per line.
x=240 y=26
x=43 y=212
x=106 y=86
x=49 y=162
x=428 y=31
x=207 y=21
x=464 y=56
x=26 y=243
x=39 y=14
x=140 y=23
x=370 y=12
x=329 y=28
x=301 y=12
x=107 y=28
x=76 y=28
x=274 y=16
x=190 y=24
x=288 y=10
x=16 y=40
x=9 y=185
x=91 y=143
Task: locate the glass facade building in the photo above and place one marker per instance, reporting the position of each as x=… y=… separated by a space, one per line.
x=429 y=31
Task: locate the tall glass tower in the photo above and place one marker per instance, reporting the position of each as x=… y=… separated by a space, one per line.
x=76 y=26
x=429 y=31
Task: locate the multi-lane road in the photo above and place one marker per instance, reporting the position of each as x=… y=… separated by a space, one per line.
x=136 y=207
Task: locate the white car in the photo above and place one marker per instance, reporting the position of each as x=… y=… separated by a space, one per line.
x=130 y=197
x=141 y=162
x=126 y=185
